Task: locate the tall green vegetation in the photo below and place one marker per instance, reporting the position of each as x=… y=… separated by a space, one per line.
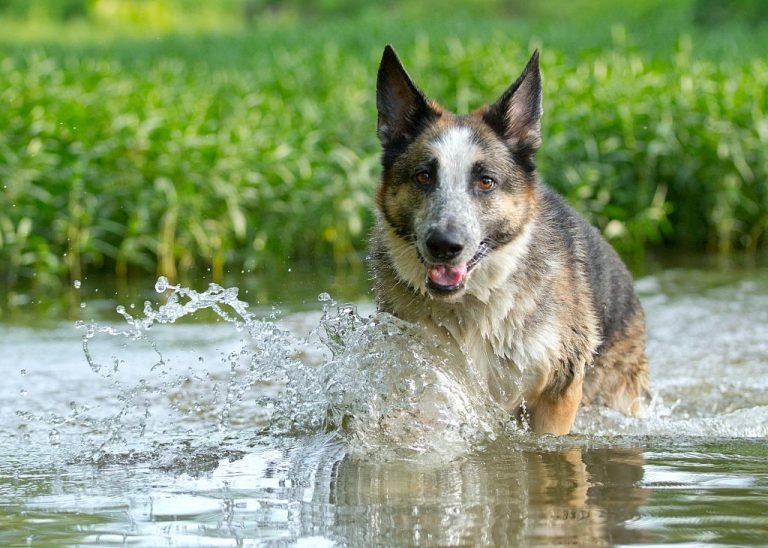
x=253 y=146
x=166 y=165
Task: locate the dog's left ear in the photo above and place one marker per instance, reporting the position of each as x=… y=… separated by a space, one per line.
x=516 y=116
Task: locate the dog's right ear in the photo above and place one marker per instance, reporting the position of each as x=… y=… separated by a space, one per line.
x=402 y=107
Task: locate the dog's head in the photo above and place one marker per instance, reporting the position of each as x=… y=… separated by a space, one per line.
x=455 y=190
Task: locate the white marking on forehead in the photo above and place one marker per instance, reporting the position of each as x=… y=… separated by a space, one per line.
x=456 y=152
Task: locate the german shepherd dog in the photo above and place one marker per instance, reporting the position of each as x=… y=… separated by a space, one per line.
x=471 y=244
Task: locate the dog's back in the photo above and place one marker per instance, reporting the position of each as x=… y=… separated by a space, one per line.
x=469 y=243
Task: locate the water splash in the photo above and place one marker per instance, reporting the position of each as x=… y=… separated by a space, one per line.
x=401 y=391
x=180 y=393
x=381 y=384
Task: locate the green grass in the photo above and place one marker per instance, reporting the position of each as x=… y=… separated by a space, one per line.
x=237 y=146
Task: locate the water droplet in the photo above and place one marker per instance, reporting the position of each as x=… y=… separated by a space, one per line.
x=53 y=437
x=161 y=285
x=324 y=298
x=23 y=392
x=76 y=284
x=23 y=372
x=82 y=305
x=120 y=309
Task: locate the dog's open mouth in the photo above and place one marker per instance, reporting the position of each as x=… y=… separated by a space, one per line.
x=445 y=279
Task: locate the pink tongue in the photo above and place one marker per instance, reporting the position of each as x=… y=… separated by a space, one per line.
x=447 y=276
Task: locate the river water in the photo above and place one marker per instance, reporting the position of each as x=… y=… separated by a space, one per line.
x=193 y=421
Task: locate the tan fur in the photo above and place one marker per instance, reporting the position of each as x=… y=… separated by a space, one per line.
x=619 y=378
x=555 y=413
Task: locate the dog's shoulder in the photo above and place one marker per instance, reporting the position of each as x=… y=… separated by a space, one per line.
x=609 y=280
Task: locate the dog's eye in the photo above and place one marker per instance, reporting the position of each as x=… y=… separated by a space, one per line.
x=486 y=183
x=422 y=178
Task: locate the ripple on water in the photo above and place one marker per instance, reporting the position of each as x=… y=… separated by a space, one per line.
x=317 y=425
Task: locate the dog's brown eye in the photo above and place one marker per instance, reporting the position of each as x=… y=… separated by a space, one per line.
x=486 y=183
x=423 y=178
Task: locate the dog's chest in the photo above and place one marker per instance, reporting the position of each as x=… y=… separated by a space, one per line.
x=511 y=353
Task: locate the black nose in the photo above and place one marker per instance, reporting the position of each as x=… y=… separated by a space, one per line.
x=444 y=245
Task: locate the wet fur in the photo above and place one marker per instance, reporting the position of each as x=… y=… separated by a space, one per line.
x=546 y=312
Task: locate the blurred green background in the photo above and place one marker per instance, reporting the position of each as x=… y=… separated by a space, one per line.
x=232 y=139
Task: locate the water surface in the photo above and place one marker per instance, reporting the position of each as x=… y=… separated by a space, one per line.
x=161 y=427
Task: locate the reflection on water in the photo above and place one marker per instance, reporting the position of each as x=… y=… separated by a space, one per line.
x=504 y=497
x=186 y=433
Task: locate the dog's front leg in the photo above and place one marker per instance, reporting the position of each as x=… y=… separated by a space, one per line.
x=554 y=413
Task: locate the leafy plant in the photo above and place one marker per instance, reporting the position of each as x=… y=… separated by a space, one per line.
x=257 y=147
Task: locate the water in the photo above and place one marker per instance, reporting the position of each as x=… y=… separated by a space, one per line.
x=336 y=427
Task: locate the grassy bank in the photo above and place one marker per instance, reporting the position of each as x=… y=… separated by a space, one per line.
x=250 y=145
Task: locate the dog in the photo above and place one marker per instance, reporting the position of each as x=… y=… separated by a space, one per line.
x=470 y=243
